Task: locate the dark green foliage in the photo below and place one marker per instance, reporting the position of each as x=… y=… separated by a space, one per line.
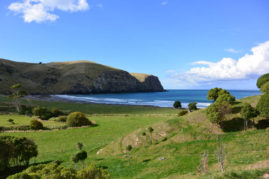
x=144 y=134
x=12 y=128
x=129 y=148
x=213 y=94
x=26 y=110
x=16 y=151
x=36 y=125
x=92 y=172
x=42 y=113
x=177 y=104
x=56 y=112
x=262 y=80
x=79 y=145
x=11 y=121
x=55 y=171
x=265 y=87
x=81 y=155
x=192 y=106
x=263 y=105
x=77 y=119
x=248 y=112
x=222 y=94
x=182 y=113
x=61 y=119
x=150 y=129
x=216 y=112
x=225 y=97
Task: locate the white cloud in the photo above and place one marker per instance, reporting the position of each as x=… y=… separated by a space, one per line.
x=247 y=67
x=42 y=10
x=231 y=50
x=164 y=3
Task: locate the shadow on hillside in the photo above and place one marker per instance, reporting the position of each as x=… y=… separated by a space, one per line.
x=262 y=124
x=13 y=170
x=235 y=124
x=236 y=109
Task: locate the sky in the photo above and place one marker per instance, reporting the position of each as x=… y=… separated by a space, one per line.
x=188 y=44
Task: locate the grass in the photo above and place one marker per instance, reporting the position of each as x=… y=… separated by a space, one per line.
x=187 y=138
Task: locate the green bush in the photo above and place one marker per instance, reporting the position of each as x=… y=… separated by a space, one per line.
x=42 y=113
x=182 y=113
x=265 y=87
x=177 y=104
x=263 y=105
x=55 y=171
x=213 y=94
x=26 y=110
x=262 y=80
x=61 y=119
x=93 y=172
x=225 y=97
x=77 y=119
x=216 y=112
x=36 y=125
x=192 y=106
x=56 y=112
x=16 y=151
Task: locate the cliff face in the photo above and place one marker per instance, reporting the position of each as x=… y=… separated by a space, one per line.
x=81 y=77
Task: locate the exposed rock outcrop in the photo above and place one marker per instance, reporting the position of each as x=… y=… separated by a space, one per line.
x=79 y=77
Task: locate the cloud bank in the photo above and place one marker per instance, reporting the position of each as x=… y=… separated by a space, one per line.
x=42 y=10
x=249 y=66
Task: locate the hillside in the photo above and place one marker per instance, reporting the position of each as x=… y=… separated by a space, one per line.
x=177 y=148
x=77 y=77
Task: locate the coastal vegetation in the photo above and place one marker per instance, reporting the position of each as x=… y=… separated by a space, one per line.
x=227 y=139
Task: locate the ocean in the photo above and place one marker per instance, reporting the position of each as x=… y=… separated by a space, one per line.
x=161 y=99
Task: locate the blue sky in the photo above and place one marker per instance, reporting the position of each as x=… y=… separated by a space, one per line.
x=186 y=43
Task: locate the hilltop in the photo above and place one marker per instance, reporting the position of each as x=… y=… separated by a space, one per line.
x=76 y=77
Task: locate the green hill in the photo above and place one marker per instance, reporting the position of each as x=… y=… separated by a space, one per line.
x=77 y=77
x=178 y=143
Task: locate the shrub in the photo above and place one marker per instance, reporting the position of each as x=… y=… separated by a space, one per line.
x=56 y=112
x=26 y=110
x=61 y=119
x=93 y=172
x=177 y=104
x=36 y=125
x=182 y=113
x=263 y=105
x=247 y=112
x=262 y=80
x=42 y=113
x=77 y=119
x=265 y=88
x=192 y=106
x=216 y=112
x=16 y=150
x=225 y=97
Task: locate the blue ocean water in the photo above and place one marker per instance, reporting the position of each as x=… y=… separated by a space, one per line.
x=161 y=99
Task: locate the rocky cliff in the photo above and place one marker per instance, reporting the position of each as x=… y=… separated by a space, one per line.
x=79 y=77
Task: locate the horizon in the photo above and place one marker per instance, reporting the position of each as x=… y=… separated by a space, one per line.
x=194 y=45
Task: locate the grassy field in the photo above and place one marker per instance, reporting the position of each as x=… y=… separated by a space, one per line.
x=177 y=149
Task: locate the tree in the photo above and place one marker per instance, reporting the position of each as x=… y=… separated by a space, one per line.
x=81 y=155
x=247 y=112
x=16 y=95
x=145 y=136
x=217 y=112
x=225 y=97
x=263 y=105
x=192 y=106
x=213 y=94
x=177 y=104
x=150 y=129
x=262 y=80
x=265 y=87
